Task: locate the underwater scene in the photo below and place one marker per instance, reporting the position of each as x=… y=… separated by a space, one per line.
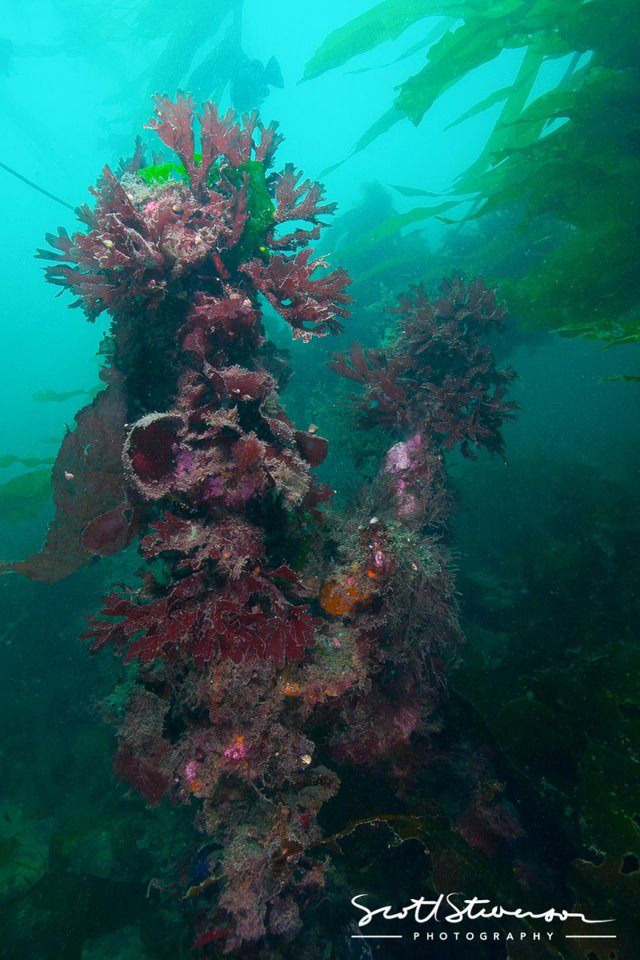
x=319 y=480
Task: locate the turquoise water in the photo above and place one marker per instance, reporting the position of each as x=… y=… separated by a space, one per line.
x=518 y=782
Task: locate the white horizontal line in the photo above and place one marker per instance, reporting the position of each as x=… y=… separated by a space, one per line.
x=590 y=936
x=377 y=936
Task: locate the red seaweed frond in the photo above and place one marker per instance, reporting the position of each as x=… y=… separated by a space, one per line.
x=93 y=517
x=310 y=306
x=220 y=136
x=250 y=620
x=223 y=137
x=439 y=375
x=174 y=125
x=297 y=200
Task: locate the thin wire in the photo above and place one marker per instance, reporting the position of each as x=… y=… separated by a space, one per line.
x=35 y=186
